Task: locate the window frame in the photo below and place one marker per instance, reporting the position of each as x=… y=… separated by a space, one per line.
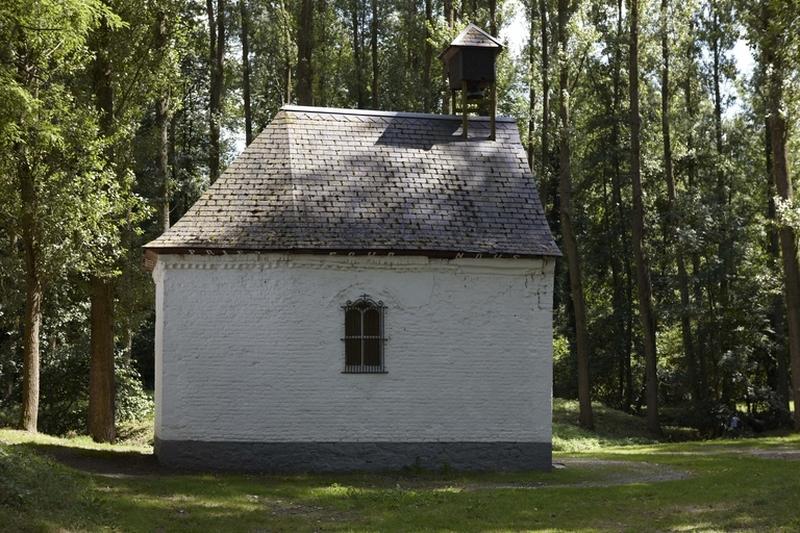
x=363 y=304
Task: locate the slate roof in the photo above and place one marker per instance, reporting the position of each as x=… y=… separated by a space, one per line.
x=323 y=180
x=471 y=36
x=475 y=36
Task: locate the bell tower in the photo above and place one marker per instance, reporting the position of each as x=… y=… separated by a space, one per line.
x=470 y=65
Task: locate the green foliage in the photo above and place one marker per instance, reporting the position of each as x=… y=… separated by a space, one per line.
x=133 y=403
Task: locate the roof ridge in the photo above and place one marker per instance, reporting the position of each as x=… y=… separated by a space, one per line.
x=287 y=125
x=291 y=108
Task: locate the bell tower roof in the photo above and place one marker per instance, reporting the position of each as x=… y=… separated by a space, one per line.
x=472 y=37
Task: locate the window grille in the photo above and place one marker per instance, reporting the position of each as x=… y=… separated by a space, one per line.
x=363 y=336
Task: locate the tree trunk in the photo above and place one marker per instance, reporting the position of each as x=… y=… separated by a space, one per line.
x=449 y=16
x=623 y=288
x=428 y=59
x=532 y=88
x=492 y=17
x=788 y=238
x=672 y=224
x=567 y=229
x=101 y=367
x=725 y=244
x=287 y=57
x=356 y=20
x=162 y=168
x=305 y=49
x=33 y=303
x=781 y=379
x=716 y=76
x=322 y=65
x=162 y=120
x=216 y=38
x=544 y=190
x=700 y=390
x=245 y=36
x=373 y=42
x=646 y=315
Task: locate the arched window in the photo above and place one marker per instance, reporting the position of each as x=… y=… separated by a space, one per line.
x=363 y=336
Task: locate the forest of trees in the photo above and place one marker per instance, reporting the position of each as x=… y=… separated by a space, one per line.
x=663 y=161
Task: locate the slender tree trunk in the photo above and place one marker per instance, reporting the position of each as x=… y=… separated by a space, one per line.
x=162 y=123
x=672 y=216
x=788 y=238
x=305 y=49
x=532 y=88
x=665 y=97
x=725 y=245
x=449 y=16
x=428 y=59
x=245 y=37
x=33 y=303
x=287 y=54
x=567 y=229
x=716 y=75
x=646 y=315
x=101 y=298
x=623 y=288
x=162 y=168
x=173 y=152
x=545 y=189
x=322 y=65
x=493 y=17
x=373 y=42
x=216 y=36
x=356 y=20
x=776 y=320
x=701 y=383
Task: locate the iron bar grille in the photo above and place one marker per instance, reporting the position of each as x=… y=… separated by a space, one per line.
x=363 y=336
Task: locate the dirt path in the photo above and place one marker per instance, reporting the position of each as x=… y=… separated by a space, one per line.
x=614 y=473
x=778 y=452
x=791 y=454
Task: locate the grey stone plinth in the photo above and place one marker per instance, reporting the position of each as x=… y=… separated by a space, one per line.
x=353 y=456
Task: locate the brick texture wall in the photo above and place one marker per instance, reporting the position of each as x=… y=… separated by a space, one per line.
x=248 y=348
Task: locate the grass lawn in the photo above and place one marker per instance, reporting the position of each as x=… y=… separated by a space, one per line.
x=615 y=479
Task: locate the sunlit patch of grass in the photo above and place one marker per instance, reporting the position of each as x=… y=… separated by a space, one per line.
x=13 y=436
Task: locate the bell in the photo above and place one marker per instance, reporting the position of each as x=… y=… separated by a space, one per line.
x=474 y=93
x=474 y=90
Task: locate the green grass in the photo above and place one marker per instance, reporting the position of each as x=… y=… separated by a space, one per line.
x=715 y=486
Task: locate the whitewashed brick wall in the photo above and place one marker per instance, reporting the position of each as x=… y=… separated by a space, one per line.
x=248 y=348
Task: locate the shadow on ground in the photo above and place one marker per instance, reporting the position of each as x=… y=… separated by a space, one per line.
x=110 y=463
x=575 y=472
